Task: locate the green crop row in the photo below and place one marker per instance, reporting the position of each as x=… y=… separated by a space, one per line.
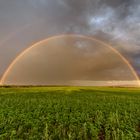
x=69 y=113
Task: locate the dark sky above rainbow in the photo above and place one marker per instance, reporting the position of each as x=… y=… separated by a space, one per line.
x=25 y=22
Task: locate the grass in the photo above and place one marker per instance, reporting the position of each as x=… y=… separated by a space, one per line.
x=69 y=113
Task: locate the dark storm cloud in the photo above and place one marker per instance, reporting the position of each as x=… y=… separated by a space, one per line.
x=118 y=21
x=24 y=22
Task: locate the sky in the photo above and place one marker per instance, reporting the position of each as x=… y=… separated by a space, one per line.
x=25 y=22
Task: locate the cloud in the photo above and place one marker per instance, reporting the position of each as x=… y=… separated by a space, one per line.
x=113 y=21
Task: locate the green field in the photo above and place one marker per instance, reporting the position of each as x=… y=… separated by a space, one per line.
x=69 y=113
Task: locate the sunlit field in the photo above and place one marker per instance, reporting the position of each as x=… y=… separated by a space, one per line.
x=69 y=113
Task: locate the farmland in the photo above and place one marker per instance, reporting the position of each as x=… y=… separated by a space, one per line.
x=69 y=113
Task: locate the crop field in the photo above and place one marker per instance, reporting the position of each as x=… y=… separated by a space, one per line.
x=69 y=113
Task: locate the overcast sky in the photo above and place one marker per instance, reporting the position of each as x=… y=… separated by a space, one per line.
x=25 y=22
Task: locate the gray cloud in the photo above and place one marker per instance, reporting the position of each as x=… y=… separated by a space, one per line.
x=23 y=23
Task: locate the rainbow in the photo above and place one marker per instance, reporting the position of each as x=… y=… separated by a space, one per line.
x=68 y=35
